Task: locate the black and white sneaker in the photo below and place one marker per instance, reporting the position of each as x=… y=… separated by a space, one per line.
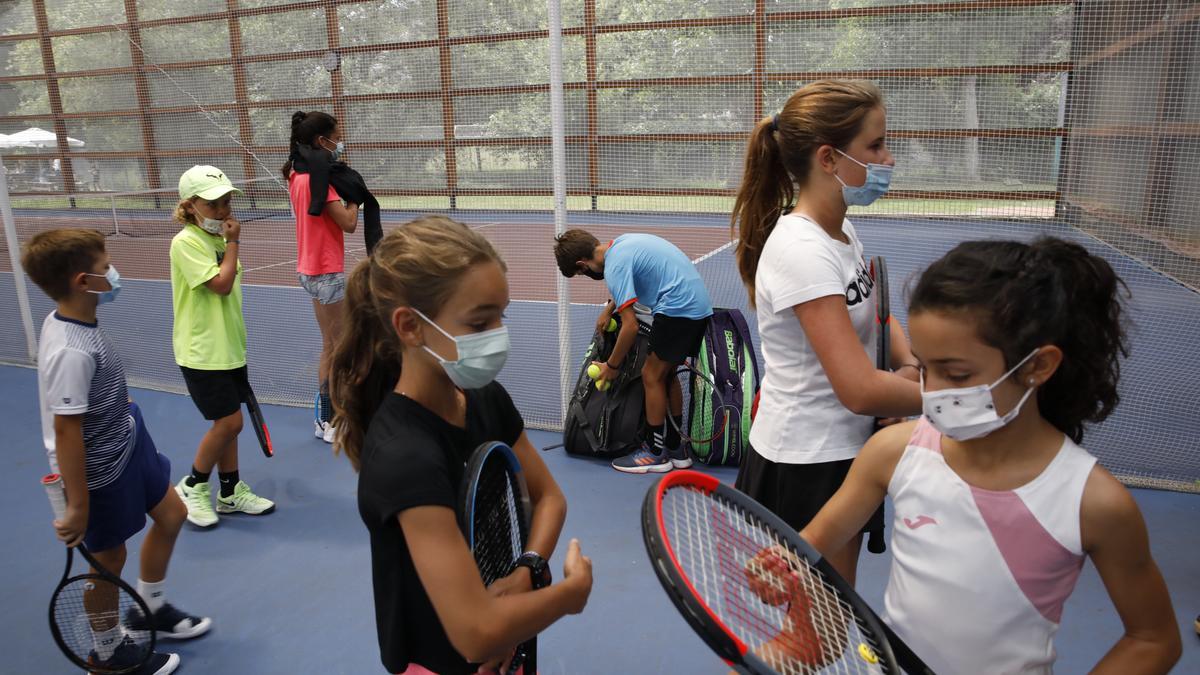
x=128 y=653
x=169 y=622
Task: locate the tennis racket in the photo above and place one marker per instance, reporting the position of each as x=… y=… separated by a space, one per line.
x=883 y=318
x=756 y=592
x=495 y=514
x=706 y=386
x=256 y=419
x=88 y=611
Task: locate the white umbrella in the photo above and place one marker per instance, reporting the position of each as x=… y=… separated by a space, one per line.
x=33 y=137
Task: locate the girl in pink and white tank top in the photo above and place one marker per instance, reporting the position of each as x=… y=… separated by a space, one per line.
x=996 y=504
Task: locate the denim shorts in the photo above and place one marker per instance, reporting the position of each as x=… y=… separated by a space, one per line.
x=326 y=289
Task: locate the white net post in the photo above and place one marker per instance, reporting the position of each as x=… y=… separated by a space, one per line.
x=14 y=258
x=558 y=147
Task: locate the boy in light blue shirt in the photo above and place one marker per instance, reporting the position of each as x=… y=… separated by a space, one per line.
x=651 y=271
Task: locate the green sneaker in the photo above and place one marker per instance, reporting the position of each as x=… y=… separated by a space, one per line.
x=198 y=499
x=244 y=501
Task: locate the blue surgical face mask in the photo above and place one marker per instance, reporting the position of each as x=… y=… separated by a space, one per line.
x=879 y=176
x=114 y=280
x=481 y=356
x=338 y=149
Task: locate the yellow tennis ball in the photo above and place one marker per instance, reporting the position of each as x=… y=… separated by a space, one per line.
x=593 y=371
x=610 y=326
x=603 y=385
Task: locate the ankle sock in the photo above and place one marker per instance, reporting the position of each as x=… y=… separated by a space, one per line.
x=658 y=440
x=106 y=642
x=198 y=476
x=154 y=594
x=228 y=482
x=672 y=431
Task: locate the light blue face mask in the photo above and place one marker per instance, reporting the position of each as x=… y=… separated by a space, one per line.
x=879 y=176
x=338 y=149
x=481 y=356
x=114 y=280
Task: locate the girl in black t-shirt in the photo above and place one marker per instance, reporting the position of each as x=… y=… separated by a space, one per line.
x=431 y=297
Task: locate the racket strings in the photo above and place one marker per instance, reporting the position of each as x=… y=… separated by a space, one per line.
x=776 y=603
x=707 y=389
x=498 y=525
x=87 y=610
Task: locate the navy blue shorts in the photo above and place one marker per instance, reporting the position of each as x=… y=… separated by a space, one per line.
x=118 y=510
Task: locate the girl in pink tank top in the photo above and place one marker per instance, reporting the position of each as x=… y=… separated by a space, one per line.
x=996 y=504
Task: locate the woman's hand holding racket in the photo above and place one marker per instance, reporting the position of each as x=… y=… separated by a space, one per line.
x=778 y=577
x=577 y=577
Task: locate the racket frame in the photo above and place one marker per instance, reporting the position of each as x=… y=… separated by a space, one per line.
x=101 y=574
x=256 y=419
x=883 y=313
x=693 y=372
x=526 y=655
x=705 y=622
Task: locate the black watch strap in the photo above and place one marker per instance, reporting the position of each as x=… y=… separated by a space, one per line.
x=539 y=569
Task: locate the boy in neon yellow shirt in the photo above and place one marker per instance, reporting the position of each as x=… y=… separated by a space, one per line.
x=210 y=340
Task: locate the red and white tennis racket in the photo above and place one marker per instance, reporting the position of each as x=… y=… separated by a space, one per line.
x=756 y=592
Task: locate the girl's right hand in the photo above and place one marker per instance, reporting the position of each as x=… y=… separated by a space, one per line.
x=233 y=229
x=577 y=574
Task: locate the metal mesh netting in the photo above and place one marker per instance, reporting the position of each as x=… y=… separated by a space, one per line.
x=1008 y=118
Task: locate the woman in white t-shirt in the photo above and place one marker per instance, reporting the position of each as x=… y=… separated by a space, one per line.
x=803 y=265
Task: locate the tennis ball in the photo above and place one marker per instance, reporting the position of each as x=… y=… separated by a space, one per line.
x=610 y=326
x=603 y=385
x=593 y=371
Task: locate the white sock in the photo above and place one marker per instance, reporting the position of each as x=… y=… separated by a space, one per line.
x=155 y=594
x=106 y=642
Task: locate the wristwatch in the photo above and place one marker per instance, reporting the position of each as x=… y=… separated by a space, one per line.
x=539 y=569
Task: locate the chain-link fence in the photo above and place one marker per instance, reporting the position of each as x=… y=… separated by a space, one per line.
x=1008 y=118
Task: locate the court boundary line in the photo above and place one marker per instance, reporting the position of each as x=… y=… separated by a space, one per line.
x=714 y=252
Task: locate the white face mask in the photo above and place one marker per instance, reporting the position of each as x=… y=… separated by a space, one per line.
x=481 y=356
x=970 y=412
x=209 y=225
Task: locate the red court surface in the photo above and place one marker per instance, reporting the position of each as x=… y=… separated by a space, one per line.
x=268 y=250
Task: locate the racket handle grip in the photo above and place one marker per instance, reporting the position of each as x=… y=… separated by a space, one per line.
x=57 y=493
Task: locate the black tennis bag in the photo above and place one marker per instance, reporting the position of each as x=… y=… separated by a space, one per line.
x=608 y=424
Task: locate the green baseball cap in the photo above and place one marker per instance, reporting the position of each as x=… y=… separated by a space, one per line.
x=205 y=182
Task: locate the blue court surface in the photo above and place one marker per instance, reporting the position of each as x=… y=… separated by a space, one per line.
x=291 y=592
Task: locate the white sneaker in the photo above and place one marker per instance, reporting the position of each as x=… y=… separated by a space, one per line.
x=319 y=429
x=330 y=433
x=244 y=501
x=198 y=499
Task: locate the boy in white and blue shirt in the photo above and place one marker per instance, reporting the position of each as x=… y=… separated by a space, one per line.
x=96 y=439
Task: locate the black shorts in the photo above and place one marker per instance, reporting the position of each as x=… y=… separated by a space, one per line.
x=673 y=339
x=217 y=393
x=796 y=492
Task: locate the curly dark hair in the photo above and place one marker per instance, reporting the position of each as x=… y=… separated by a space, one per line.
x=1027 y=295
